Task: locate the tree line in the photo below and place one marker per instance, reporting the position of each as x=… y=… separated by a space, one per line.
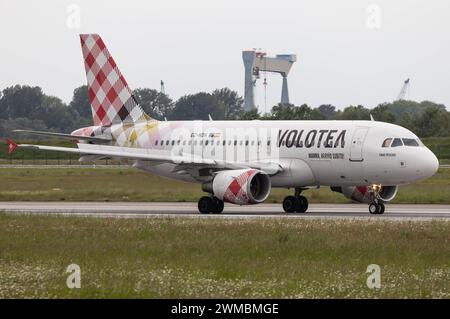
x=27 y=107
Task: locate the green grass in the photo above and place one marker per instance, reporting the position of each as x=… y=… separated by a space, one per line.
x=157 y=257
x=75 y=184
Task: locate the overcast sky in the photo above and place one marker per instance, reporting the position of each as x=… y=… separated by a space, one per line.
x=349 y=51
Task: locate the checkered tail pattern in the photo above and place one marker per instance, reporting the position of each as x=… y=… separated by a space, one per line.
x=112 y=101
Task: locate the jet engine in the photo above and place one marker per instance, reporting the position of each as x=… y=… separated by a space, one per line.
x=241 y=186
x=362 y=194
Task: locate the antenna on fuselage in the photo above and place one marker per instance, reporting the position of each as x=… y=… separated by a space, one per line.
x=210 y=118
x=371 y=117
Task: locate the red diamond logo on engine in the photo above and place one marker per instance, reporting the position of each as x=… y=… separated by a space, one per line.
x=234 y=187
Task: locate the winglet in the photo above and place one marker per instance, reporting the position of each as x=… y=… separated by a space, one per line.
x=11 y=145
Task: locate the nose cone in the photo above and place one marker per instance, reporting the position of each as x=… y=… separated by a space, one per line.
x=429 y=164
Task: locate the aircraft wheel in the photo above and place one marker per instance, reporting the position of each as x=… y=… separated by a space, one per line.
x=205 y=204
x=217 y=205
x=302 y=204
x=289 y=204
x=381 y=208
x=373 y=208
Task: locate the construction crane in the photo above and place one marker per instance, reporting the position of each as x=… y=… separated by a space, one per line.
x=256 y=62
x=405 y=88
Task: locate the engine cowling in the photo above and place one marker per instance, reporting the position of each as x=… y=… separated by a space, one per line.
x=241 y=186
x=361 y=194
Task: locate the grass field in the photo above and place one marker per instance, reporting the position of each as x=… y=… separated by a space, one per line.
x=74 y=184
x=177 y=257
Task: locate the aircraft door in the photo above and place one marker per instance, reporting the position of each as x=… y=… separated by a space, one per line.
x=357 y=143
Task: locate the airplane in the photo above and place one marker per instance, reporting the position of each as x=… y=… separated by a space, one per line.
x=239 y=162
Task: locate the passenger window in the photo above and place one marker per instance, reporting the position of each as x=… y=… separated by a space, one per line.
x=268 y=143
x=235 y=142
x=397 y=142
x=206 y=142
x=240 y=142
x=167 y=142
x=173 y=142
x=387 y=142
x=246 y=143
x=410 y=142
x=253 y=143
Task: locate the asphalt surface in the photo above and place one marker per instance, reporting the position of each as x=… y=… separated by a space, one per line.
x=139 y=209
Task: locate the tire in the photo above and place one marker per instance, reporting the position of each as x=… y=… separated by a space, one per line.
x=373 y=209
x=382 y=208
x=302 y=204
x=205 y=204
x=289 y=204
x=217 y=205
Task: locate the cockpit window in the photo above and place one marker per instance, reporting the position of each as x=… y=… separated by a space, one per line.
x=410 y=142
x=397 y=142
x=387 y=142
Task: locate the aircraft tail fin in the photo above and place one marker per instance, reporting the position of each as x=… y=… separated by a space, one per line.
x=112 y=101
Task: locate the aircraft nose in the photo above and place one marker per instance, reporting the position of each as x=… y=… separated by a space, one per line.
x=430 y=164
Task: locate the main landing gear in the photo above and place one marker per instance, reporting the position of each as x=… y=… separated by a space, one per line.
x=296 y=203
x=376 y=208
x=210 y=205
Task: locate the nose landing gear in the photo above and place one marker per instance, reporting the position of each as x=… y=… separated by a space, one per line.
x=376 y=206
x=297 y=203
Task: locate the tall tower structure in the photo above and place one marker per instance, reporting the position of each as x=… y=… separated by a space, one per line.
x=256 y=62
x=404 y=90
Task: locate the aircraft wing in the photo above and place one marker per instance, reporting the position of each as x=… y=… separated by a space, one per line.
x=270 y=168
x=67 y=136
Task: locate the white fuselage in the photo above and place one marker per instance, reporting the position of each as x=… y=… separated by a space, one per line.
x=311 y=153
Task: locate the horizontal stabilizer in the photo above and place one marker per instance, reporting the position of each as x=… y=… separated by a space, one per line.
x=11 y=145
x=67 y=136
x=122 y=152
